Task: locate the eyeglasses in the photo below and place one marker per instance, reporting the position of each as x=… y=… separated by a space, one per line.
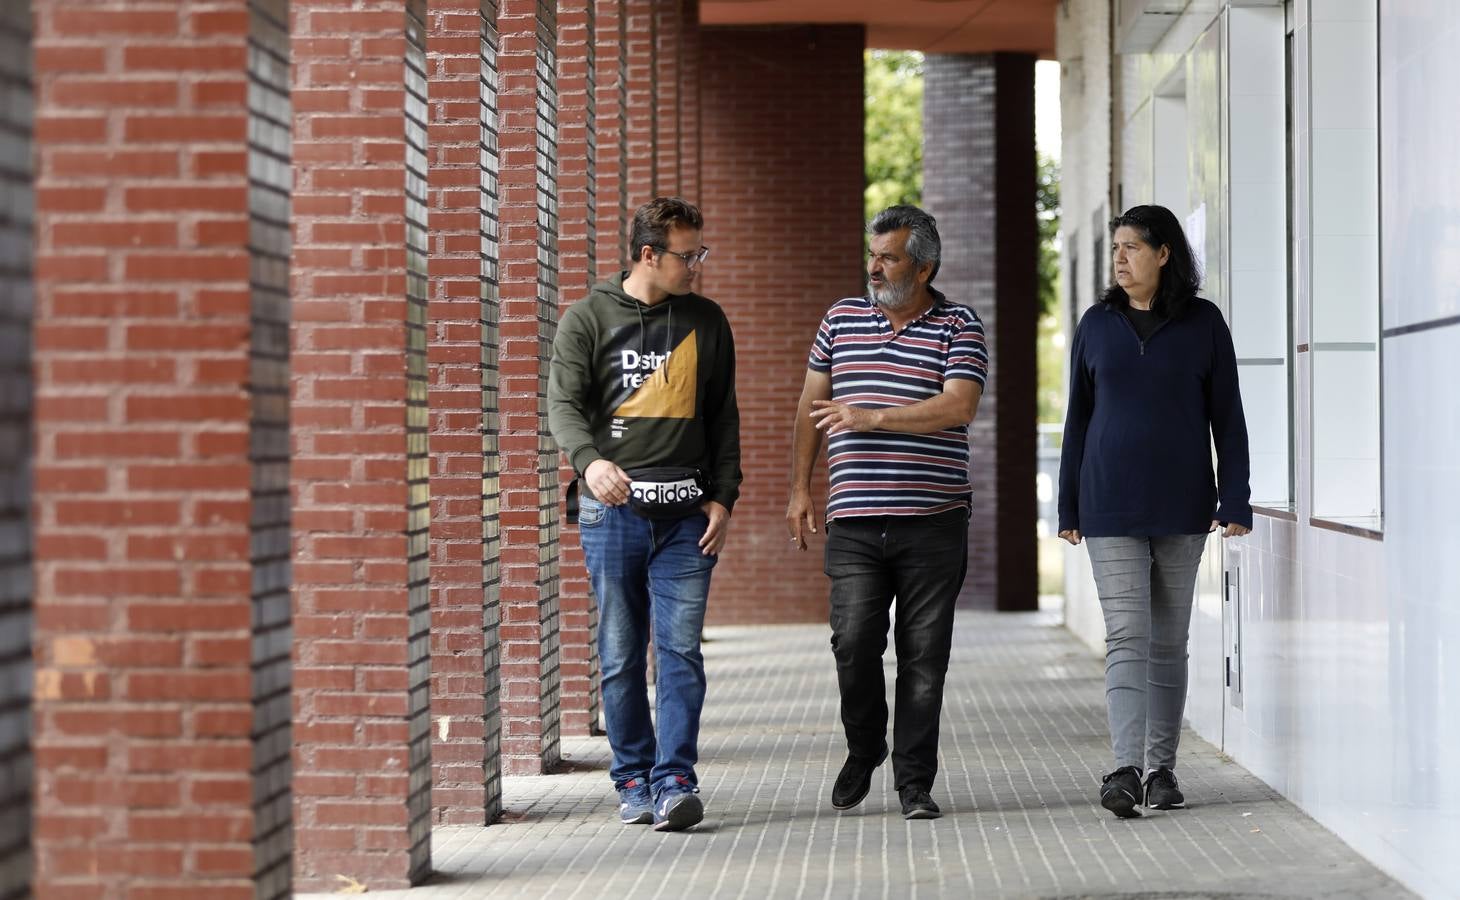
x=690 y=258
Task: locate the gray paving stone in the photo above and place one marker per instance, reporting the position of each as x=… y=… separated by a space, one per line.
x=1024 y=744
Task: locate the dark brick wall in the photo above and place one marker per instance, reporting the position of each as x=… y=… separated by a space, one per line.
x=978 y=180
x=418 y=482
x=270 y=181
x=15 y=469
x=782 y=197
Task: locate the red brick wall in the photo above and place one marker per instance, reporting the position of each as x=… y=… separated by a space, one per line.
x=359 y=419
x=577 y=244
x=15 y=467
x=611 y=108
x=782 y=197
x=157 y=526
x=641 y=105
x=529 y=458
x=689 y=102
x=669 y=40
x=465 y=587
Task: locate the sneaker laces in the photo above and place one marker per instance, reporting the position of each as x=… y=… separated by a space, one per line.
x=1123 y=769
x=1163 y=777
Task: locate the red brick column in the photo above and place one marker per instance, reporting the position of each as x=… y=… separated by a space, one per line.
x=577 y=245
x=360 y=464
x=529 y=459
x=465 y=582
x=669 y=35
x=161 y=505
x=16 y=410
x=612 y=163
x=641 y=110
x=782 y=199
x=689 y=105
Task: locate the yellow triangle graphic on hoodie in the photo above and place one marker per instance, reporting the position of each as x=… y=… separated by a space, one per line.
x=670 y=392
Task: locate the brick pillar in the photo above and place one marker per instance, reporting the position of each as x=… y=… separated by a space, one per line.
x=360 y=464
x=669 y=34
x=689 y=106
x=641 y=108
x=978 y=180
x=578 y=244
x=783 y=211
x=16 y=763
x=161 y=505
x=465 y=546
x=612 y=164
x=529 y=458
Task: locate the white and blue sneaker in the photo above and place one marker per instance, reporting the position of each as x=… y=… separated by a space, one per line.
x=677 y=807
x=635 y=805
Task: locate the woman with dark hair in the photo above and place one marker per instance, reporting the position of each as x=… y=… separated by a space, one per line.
x=1153 y=384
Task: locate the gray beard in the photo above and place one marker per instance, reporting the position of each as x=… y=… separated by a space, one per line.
x=894 y=295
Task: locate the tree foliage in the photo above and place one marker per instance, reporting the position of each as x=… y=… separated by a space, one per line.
x=894 y=129
x=894 y=160
x=1047 y=209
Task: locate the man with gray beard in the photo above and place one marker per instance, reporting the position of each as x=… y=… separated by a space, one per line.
x=893 y=381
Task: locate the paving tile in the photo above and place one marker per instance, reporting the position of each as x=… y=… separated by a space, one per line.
x=1024 y=744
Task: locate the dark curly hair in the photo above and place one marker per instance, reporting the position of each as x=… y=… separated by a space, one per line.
x=1180 y=277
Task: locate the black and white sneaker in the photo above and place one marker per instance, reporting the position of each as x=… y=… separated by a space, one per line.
x=1162 y=792
x=1120 y=792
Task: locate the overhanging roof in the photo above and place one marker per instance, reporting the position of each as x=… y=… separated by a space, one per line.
x=933 y=26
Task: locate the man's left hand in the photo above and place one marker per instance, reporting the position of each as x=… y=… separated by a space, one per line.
x=718 y=529
x=833 y=417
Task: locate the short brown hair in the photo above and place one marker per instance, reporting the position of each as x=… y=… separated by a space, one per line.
x=653 y=220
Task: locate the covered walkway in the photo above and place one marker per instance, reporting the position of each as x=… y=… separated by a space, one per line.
x=1023 y=746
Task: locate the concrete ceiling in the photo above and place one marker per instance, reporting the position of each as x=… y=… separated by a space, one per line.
x=933 y=26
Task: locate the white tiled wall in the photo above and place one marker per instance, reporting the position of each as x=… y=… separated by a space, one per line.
x=1342 y=84
x=1350 y=658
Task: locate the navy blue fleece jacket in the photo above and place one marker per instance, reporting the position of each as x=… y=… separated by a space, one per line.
x=1142 y=418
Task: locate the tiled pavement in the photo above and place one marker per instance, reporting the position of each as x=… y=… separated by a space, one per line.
x=1024 y=744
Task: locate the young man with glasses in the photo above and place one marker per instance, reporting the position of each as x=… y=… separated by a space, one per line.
x=893 y=381
x=641 y=399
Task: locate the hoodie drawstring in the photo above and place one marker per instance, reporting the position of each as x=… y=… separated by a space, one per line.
x=668 y=336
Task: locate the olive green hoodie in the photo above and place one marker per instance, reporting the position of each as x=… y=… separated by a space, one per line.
x=644 y=385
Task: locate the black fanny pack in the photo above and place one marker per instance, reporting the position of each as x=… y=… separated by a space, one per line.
x=667 y=492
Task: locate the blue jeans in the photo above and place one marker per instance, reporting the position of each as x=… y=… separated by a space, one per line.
x=649 y=576
x=921 y=561
x=1146 y=587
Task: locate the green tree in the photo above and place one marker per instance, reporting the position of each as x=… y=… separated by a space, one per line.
x=894 y=161
x=1051 y=351
x=894 y=129
x=1047 y=209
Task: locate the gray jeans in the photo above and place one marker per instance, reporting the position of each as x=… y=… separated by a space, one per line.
x=1146 y=587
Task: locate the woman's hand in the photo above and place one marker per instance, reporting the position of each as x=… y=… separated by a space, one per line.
x=1231 y=529
x=1072 y=535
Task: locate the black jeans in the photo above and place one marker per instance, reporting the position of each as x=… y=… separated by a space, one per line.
x=921 y=561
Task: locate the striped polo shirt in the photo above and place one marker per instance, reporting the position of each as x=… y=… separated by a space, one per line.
x=884 y=473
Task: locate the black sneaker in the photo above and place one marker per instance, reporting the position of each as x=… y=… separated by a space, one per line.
x=916 y=804
x=1162 y=792
x=1120 y=792
x=853 y=781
